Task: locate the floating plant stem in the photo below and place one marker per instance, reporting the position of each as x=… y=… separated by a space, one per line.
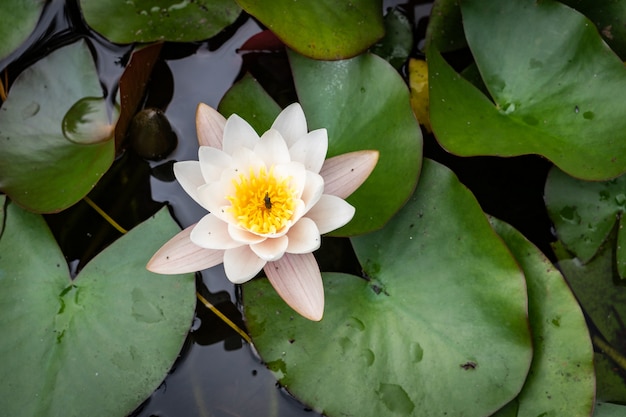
x=3 y=90
x=225 y=319
x=609 y=351
x=104 y=215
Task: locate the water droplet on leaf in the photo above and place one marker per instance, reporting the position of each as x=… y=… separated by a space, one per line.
x=87 y=121
x=30 y=110
x=570 y=214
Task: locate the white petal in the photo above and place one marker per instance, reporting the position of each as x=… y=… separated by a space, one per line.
x=212 y=233
x=304 y=237
x=311 y=150
x=209 y=126
x=244 y=236
x=241 y=264
x=330 y=213
x=243 y=160
x=345 y=173
x=298 y=281
x=179 y=255
x=272 y=149
x=213 y=162
x=213 y=197
x=189 y=176
x=298 y=211
x=271 y=249
x=291 y=123
x=313 y=190
x=297 y=173
x=238 y=133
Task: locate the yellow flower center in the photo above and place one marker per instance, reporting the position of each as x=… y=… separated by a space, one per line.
x=262 y=203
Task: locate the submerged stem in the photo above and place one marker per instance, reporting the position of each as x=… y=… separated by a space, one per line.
x=104 y=215
x=609 y=351
x=225 y=319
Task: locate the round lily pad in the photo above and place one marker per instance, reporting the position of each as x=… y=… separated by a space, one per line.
x=128 y=21
x=439 y=326
x=17 y=21
x=97 y=345
x=556 y=93
x=364 y=104
x=561 y=381
x=56 y=135
x=584 y=213
x=321 y=29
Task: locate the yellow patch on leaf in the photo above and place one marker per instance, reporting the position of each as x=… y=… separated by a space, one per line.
x=418 y=84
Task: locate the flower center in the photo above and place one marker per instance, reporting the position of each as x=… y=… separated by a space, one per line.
x=262 y=203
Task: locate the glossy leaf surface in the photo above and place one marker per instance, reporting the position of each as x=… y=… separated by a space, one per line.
x=322 y=29
x=249 y=100
x=561 y=381
x=604 y=302
x=364 y=104
x=17 y=20
x=55 y=148
x=396 y=46
x=122 y=21
x=584 y=213
x=609 y=17
x=441 y=283
x=116 y=326
x=556 y=93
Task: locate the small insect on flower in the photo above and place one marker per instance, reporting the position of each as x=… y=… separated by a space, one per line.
x=268 y=201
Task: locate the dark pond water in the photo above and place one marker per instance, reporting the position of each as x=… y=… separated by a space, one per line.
x=217 y=373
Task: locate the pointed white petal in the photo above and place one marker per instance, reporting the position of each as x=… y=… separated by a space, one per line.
x=313 y=190
x=213 y=162
x=272 y=149
x=189 y=176
x=209 y=126
x=291 y=123
x=271 y=249
x=304 y=237
x=311 y=150
x=243 y=160
x=297 y=173
x=298 y=211
x=298 y=281
x=244 y=236
x=212 y=233
x=179 y=255
x=241 y=264
x=238 y=133
x=330 y=213
x=213 y=197
x=345 y=173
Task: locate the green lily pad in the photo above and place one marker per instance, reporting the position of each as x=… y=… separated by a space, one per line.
x=440 y=327
x=97 y=345
x=128 y=21
x=364 y=104
x=556 y=93
x=609 y=17
x=321 y=29
x=18 y=19
x=248 y=99
x=397 y=44
x=604 y=302
x=561 y=381
x=56 y=138
x=609 y=410
x=584 y=213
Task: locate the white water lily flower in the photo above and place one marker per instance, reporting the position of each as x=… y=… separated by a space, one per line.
x=269 y=199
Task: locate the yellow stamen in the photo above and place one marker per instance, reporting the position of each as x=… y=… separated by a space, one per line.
x=262 y=203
